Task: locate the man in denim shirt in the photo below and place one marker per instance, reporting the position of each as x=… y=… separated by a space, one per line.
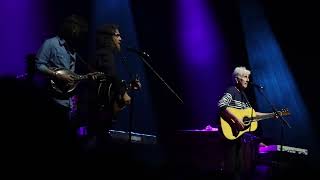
x=59 y=52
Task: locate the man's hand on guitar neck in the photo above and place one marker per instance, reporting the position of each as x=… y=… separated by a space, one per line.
x=135 y=84
x=97 y=75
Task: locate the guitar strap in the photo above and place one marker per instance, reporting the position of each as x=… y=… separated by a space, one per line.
x=245 y=98
x=247 y=101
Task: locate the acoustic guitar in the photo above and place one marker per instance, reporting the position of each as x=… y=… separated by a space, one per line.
x=107 y=96
x=249 y=118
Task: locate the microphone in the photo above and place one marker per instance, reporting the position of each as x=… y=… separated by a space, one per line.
x=256 y=85
x=141 y=53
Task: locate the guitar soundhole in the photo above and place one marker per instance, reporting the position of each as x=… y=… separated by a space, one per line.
x=246 y=120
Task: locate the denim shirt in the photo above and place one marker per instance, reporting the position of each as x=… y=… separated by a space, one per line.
x=54 y=54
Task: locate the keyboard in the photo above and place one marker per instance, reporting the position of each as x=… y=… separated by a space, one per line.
x=277 y=148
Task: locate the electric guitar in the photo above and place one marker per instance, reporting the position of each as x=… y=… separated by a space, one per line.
x=65 y=89
x=251 y=124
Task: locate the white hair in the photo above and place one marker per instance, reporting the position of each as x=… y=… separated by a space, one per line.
x=240 y=71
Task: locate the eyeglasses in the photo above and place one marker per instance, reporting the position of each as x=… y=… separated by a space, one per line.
x=109 y=34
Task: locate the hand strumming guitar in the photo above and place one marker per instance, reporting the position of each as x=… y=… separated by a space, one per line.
x=54 y=73
x=239 y=124
x=65 y=77
x=126 y=98
x=232 y=119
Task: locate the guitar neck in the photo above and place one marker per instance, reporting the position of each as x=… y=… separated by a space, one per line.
x=264 y=117
x=268 y=116
x=81 y=77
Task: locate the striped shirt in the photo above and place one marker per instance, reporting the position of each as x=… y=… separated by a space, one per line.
x=233 y=98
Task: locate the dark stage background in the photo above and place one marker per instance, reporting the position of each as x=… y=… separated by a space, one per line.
x=293 y=24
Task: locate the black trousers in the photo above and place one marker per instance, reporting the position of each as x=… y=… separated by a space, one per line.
x=239 y=157
x=59 y=132
x=233 y=156
x=98 y=126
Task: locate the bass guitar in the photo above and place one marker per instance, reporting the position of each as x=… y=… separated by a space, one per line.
x=248 y=117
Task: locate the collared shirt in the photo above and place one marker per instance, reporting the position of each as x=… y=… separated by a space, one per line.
x=53 y=53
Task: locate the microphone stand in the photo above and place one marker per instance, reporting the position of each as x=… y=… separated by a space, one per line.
x=141 y=57
x=278 y=115
x=131 y=107
x=162 y=80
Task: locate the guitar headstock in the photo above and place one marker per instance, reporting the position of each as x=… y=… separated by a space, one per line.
x=284 y=112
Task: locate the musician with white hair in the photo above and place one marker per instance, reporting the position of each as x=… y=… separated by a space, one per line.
x=232 y=106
